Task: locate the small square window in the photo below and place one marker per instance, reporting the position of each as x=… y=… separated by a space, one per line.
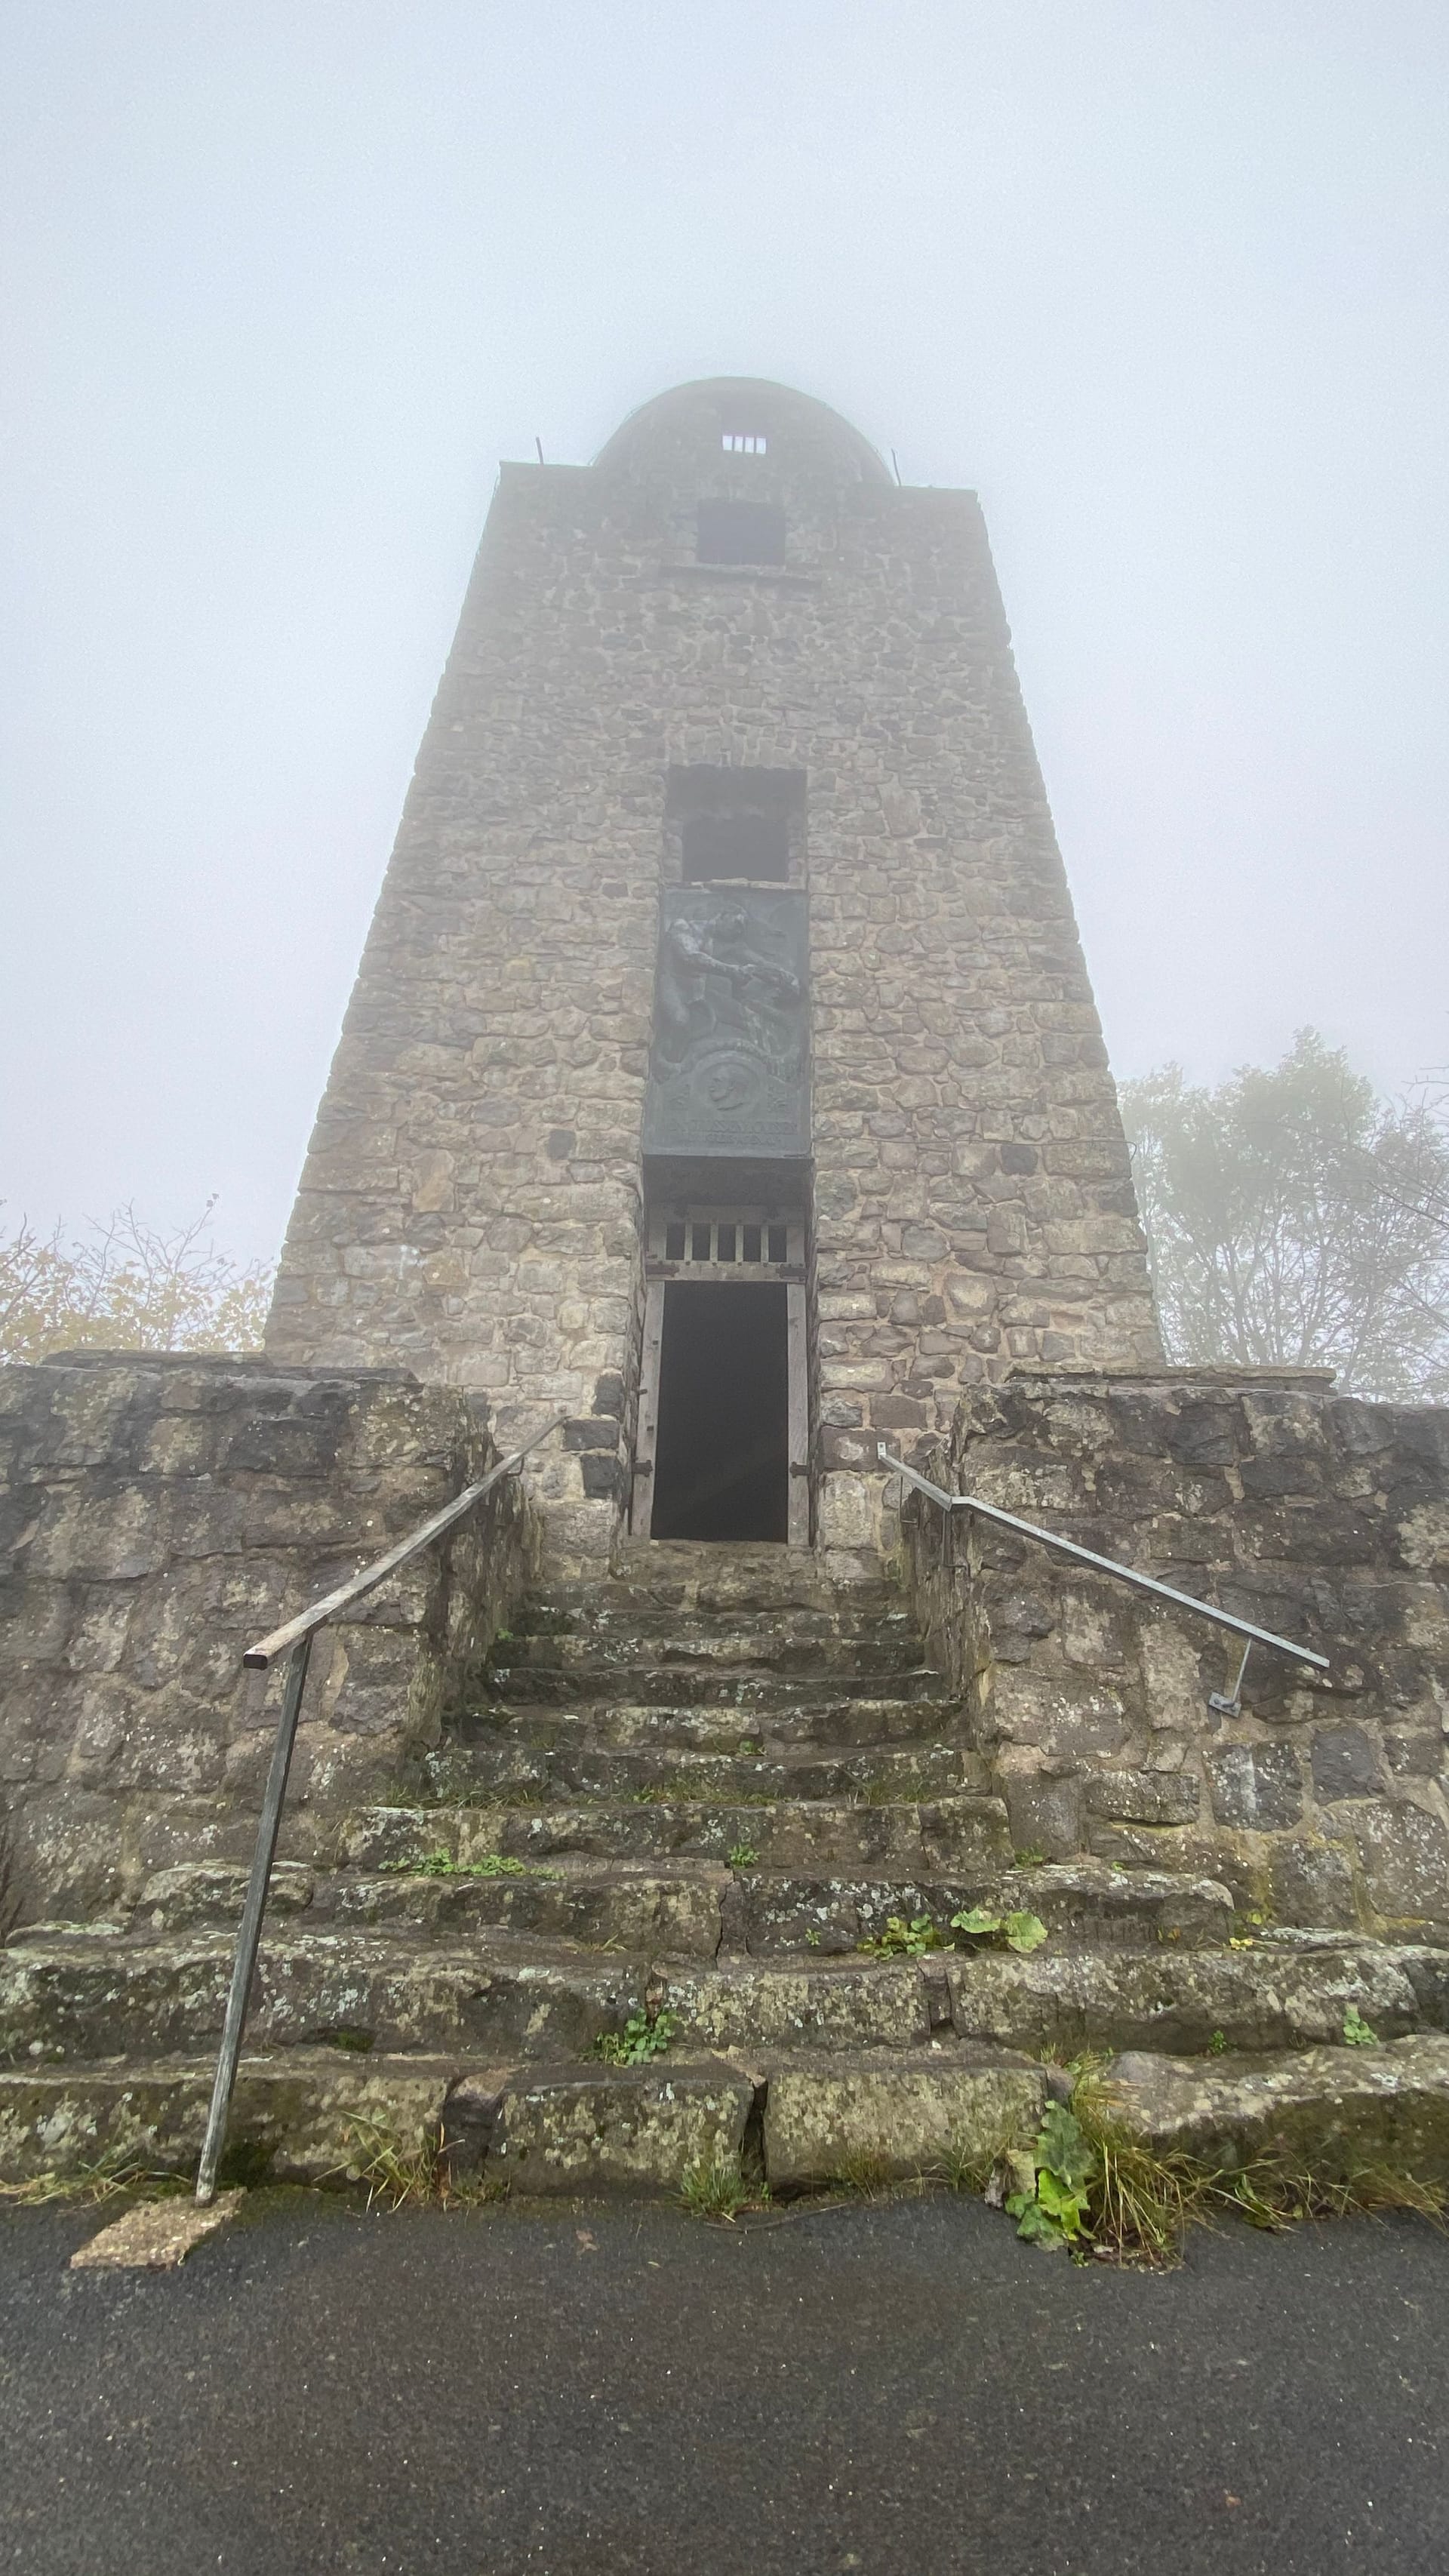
x=740 y=532
x=744 y=442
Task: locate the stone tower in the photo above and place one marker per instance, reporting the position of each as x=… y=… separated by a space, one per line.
x=723 y=1070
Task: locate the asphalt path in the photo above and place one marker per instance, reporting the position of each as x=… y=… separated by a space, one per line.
x=900 y=2389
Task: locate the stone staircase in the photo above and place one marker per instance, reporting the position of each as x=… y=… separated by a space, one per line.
x=691 y=1795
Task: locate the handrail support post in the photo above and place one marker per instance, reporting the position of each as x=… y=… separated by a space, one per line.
x=248 y=1939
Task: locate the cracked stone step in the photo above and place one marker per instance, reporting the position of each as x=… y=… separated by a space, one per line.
x=1340 y=2110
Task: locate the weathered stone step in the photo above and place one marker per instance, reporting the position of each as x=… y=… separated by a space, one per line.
x=625 y=1725
x=886 y=1774
x=912 y=1840
x=1269 y=1996
x=316 y=2115
x=1339 y=2111
x=601 y=1904
x=312 y=2115
x=678 y=1685
x=726 y=1575
x=501 y=1993
x=1079 y=1901
x=609 y=1615
x=893 y=2113
x=753 y=1650
x=502 y=1990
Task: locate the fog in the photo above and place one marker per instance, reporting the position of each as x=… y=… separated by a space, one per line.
x=1164 y=282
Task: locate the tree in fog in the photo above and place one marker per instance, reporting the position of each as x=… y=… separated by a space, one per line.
x=126 y=1285
x=1295 y=1218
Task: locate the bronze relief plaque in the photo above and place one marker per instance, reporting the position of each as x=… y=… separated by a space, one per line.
x=729 y=1063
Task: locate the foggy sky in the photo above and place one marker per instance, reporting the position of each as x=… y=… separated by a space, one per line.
x=283 y=281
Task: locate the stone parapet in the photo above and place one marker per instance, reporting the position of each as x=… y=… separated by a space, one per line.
x=157 y=1514
x=1321 y=1517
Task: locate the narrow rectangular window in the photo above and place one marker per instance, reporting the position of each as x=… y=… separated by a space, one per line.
x=744 y=442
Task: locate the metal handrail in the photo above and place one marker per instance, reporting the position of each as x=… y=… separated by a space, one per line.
x=296 y=1636
x=1109 y=1565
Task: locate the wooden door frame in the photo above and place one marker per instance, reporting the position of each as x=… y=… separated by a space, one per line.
x=659 y=1273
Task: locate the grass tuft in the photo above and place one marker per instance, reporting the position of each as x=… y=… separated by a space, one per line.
x=714 y=2187
x=399 y=2175
x=91 y=2184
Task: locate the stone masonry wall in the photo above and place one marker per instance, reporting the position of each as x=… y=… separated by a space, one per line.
x=157 y=1515
x=470 y=1205
x=1321 y=1517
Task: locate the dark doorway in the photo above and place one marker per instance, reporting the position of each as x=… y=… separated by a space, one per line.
x=722 y=1451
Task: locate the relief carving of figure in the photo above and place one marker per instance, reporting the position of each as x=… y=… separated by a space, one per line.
x=716 y=983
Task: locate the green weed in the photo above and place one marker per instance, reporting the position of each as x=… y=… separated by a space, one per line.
x=1030 y=1856
x=441 y=1864
x=904 y=1940
x=1019 y=1930
x=644 y=2036
x=1356 y=2032
x=742 y=1856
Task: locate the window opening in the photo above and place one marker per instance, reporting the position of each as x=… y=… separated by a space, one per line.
x=674 y=1242
x=741 y=844
x=778 y=1243
x=744 y=442
x=751 y=1234
x=740 y=532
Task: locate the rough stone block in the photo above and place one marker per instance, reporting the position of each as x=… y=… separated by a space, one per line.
x=898 y=2113
x=619 y=2129
x=1404 y=1854
x=1345 y=1765
x=1336 y=2110
x=1144 y=1797
x=1257 y=1787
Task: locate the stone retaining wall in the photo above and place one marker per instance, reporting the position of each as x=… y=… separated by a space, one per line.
x=159 y=1513
x=1319 y=1516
